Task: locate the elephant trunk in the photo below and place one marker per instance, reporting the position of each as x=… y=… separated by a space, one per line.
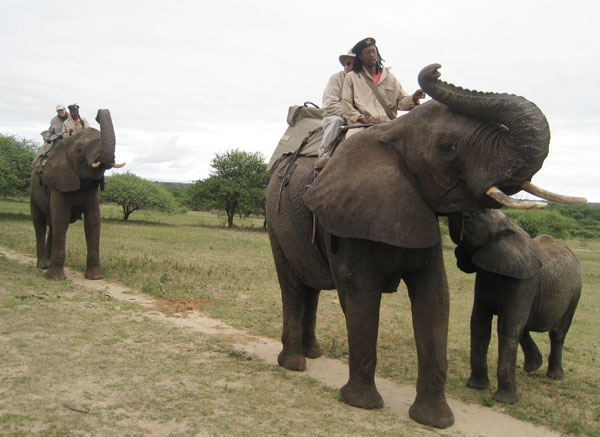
x=107 y=137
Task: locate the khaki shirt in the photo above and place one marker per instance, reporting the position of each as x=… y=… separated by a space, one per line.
x=332 y=96
x=70 y=124
x=359 y=101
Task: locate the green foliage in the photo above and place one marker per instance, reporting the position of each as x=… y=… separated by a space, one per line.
x=133 y=193
x=560 y=221
x=542 y=222
x=175 y=188
x=237 y=185
x=16 y=157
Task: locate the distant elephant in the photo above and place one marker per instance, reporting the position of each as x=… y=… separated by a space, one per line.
x=376 y=204
x=64 y=185
x=532 y=285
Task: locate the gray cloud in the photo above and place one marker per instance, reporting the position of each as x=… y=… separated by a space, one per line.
x=190 y=79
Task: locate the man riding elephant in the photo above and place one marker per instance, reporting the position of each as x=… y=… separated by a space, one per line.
x=371 y=93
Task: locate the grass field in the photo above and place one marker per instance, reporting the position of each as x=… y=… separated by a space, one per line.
x=231 y=272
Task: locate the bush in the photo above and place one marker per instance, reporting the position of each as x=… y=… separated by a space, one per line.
x=134 y=193
x=16 y=159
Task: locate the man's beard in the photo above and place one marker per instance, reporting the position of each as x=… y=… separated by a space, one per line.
x=64 y=118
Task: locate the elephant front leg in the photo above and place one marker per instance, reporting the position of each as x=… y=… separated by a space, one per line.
x=481 y=331
x=508 y=335
x=362 y=322
x=428 y=292
x=92 y=237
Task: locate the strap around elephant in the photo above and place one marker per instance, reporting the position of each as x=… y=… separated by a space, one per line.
x=388 y=110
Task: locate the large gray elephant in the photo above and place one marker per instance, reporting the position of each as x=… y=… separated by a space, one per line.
x=376 y=204
x=64 y=185
x=531 y=284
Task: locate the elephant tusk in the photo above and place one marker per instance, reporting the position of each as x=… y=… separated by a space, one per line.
x=552 y=197
x=113 y=165
x=96 y=164
x=499 y=196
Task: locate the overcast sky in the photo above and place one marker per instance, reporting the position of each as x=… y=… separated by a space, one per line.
x=187 y=79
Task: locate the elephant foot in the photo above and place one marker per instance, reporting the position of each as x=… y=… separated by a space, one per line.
x=312 y=349
x=533 y=363
x=555 y=372
x=55 y=273
x=435 y=413
x=361 y=396
x=506 y=397
x=43 y=264
x=94 y=273
x=478 y=383
x=295 y=362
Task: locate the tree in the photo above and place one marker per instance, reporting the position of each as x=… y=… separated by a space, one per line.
x=134 y=193
x=236 y=184
x=16 y=158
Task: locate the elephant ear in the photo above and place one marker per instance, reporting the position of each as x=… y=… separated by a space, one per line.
x=58 y=172
x=510 y=253
x=364 y=192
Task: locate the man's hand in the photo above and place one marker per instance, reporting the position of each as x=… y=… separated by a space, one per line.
x=365 y=120
x=418 y=95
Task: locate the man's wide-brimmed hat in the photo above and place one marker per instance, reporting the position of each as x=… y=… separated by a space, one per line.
x=61 y=107
x=342 y=58
x=362 y=44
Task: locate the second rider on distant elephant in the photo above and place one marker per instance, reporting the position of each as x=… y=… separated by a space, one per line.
x=74 y=124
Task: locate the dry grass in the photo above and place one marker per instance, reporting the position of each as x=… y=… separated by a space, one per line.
x=231 y=272
x=75 y=362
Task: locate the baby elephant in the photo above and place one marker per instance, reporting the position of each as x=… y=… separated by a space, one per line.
x=532 y=285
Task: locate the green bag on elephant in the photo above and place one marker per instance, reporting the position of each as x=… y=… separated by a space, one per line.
x=304 y=122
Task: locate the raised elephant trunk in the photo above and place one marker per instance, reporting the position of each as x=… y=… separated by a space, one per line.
x=107 y=140
x=107 y=136
x=524 y=142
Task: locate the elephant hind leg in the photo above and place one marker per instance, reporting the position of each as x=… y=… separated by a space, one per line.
x=557 y=340
x=310 y=345
x=533 y=357
x=299 y=315
x=43 y=246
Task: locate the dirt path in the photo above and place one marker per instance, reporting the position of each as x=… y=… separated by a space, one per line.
x=471 y=420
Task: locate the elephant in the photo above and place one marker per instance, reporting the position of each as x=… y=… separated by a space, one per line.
x=530 y=284
x=375 y=207
x=64 y=185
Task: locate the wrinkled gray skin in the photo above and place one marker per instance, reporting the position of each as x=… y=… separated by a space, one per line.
x=376 y=203
x=64 y=188
x=531 y=285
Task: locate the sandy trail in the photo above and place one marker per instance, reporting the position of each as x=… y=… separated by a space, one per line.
x=471 y=420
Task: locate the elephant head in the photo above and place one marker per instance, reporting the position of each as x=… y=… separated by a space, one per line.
x=82 y=157
x=462 y=151
x=488 y=240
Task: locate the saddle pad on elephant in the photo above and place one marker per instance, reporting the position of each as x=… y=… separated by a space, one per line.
x=304 y=123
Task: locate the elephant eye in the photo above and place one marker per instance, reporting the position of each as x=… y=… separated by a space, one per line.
x=447 y=147
x=504 y=233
